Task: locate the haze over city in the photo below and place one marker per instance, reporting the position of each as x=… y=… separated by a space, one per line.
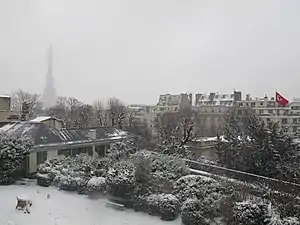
x=135 y=50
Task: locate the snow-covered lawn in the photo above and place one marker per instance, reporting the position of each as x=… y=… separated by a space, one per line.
x=64 y=208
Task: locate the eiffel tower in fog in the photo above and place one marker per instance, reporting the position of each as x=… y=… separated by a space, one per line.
x=49 y=96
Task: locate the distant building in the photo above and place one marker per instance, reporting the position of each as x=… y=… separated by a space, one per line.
x=6 y=114
x=149 y=114
x=213 y=110
x=49 y=96
x=269 y=110
x=168 y=102
x=219 y=99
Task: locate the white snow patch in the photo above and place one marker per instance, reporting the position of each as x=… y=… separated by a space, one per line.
x=7 y=127
x=66 y=209
x=96 y=181
x=41 y=119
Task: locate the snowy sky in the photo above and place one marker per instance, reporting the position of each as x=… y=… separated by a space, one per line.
x=136 y=49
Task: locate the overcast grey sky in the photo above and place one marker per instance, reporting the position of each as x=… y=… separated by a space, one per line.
x=137 y=49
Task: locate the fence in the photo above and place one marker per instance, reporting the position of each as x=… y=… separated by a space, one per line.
x=274 y=184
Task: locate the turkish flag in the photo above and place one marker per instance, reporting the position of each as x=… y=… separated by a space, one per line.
x=281 y=100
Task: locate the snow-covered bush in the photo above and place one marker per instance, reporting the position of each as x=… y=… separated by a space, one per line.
x=274 y=218
x=195 y=186
x=120 y=180
x=194 y=212
x=13 y=151
x=43 y=179
x=172 y=168
x=164 y=205
x=121 y=150
x=67 y=183
x=82 y=167
x=290 y=221
x=96 y=184
x=250 y=212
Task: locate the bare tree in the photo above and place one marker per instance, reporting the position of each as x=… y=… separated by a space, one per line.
x=85 y=115
x=33 y=100
x=177 y=128
x=100 y=113
x=116 y=110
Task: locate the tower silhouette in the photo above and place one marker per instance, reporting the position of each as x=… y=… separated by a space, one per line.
x=49 y=95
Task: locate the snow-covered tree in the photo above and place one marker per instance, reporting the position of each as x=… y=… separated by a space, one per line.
x=13 y=151
x=261 y=149
x=33 y=100
x=176 y=129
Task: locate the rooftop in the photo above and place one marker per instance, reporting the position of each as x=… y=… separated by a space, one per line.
x=42 y=118
x=43 y=134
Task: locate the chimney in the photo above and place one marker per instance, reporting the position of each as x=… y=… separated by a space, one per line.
x=237 y=96
x=197 y=98
x=191 y=98
x=211 y=97
x=248 y=97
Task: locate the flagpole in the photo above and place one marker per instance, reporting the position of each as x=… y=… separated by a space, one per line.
x=278 y=110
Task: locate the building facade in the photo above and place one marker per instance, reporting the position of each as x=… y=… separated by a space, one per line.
x=150 y=114
x=6 y=114
x=270 y=111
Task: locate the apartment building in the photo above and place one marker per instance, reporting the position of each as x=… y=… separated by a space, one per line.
x=149 y=114
x=5 y=109
x=168 y=102
x=213 y=110
x=217 y=99
x=270 y=111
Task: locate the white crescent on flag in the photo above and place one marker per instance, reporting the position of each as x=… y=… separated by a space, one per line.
x=279 y=98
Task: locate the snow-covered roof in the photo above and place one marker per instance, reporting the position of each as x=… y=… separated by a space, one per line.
x=43 y=134
x=5 y=96
x=41 y=119
x=208 y=139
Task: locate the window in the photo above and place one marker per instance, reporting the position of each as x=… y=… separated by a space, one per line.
x=76 y=151
x=295 y=129
x=284 y=121
x=89 y=151
x=295 y=120
x=270 y=111
x=100 y=150
x=41 y=157
x=261 y=103
x=65 y=152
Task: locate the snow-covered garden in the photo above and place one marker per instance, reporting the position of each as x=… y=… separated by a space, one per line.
x=134 y=183
x=162 y=186
x=61 y=208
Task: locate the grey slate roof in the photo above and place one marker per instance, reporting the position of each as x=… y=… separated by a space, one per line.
x=42 y=134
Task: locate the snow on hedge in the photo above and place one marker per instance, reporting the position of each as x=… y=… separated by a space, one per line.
x=195 y=186
x=13 y=151
x=96 y=184
x=164 y=205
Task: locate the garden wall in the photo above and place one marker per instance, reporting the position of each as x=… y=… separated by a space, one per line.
x=274 y=184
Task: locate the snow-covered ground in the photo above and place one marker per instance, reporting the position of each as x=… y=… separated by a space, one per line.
x=64 y=208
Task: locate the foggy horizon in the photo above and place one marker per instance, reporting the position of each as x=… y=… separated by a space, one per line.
x=135 y=50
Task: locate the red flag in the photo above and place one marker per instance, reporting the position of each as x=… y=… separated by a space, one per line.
x=281 y=100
